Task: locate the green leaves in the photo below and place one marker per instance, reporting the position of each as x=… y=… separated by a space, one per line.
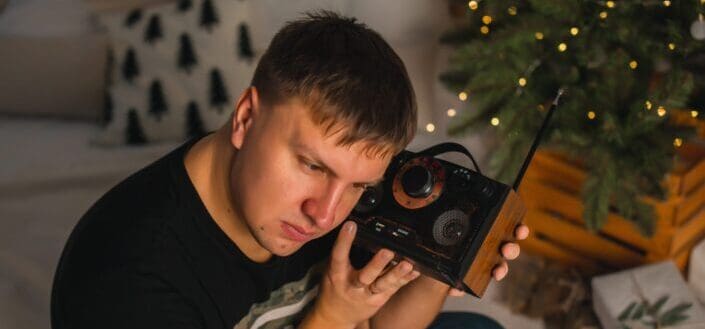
x=651 y=315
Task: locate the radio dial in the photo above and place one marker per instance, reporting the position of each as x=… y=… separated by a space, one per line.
x=417 y=182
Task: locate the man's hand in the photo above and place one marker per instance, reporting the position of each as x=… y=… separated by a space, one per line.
x=349 y=296
x=509 y=250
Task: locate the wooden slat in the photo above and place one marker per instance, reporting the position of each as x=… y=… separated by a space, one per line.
x=543 y=197
x=550 y=168
x=687 y=235
x=694 y=177
x=575 y=238
x=692 y=203
x=534 y=245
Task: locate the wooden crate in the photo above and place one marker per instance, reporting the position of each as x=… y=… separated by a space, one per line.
x=551 y=191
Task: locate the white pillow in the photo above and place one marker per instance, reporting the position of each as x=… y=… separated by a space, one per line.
x=157 y=86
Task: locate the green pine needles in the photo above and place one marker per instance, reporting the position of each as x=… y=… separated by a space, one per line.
x=625 y=66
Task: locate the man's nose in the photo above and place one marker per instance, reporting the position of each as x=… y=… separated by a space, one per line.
x=322 y=207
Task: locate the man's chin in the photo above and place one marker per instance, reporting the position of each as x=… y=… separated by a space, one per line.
x=285 y=247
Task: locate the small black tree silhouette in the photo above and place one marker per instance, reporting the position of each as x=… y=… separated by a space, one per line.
x=208 y=15
x=134 y=134
x=107 y=108
x=187 y=56
x=157 y=102
x=244 y=43
x=130 y=67
x=194 y=124
x=154 y=29
x=218 y=92
x=133 y=17
x=184 y=5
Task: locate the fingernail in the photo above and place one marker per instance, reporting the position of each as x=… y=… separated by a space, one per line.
x=386 y=254
x=349 y=226
x=405 y=267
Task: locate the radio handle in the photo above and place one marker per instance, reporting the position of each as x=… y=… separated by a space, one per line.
x=450 y=147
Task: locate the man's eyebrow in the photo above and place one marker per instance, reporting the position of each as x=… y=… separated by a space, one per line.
x=318 y=162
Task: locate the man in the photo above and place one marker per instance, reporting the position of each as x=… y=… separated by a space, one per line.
x=237 y=229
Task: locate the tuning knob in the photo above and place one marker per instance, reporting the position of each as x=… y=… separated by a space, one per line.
x=417 y=182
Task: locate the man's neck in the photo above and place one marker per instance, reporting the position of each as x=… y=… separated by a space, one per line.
x=208 y=164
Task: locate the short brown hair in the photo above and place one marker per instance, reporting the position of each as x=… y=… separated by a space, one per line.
x=347 y=74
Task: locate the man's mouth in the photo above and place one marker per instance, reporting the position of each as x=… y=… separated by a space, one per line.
x=295 y=233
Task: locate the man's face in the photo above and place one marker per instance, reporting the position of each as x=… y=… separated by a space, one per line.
x=291 y=183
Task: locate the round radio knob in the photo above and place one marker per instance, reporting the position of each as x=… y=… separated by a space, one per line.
x=417 y=182
x=369 y=200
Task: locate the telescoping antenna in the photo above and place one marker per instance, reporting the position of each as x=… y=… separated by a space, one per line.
x=537 y=140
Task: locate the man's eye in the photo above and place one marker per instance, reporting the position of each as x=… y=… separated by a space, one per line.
x=311 y=166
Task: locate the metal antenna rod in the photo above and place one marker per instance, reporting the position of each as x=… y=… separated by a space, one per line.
x=537 y=140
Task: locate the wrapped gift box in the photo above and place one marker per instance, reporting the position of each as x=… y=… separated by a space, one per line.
x=696 y=271
x=613 y=294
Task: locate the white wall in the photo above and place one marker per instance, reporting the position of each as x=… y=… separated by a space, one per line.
x=44 y=18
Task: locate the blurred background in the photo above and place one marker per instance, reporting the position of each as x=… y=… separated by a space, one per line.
x=93 y=90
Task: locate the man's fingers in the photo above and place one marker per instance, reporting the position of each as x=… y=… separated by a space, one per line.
x=500 y=271
x=339 y=257
x=510 y=250
x=521 y=232
x=371 y=271
x=456 y=292
x=393 y=279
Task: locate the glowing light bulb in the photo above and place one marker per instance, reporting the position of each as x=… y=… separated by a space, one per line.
x=678 y=142
x=451 y=112
x=538 y=36
x=661 y=111
x=672 y=46
x=610 y=4
x=485 y=29
x=603 y=14
x=495 y=121
x=463 y=96
x=633 y=64
x=487 y=19
x=694 y=114
x=591 y=115
x=562 y=47
x=522 y=81
x=512 y=10
x=430 y=127
x=574 y=31
x=648 y=105
x=667 y=3
x=473 y=5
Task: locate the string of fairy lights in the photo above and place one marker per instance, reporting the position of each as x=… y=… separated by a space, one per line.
x=697 y=30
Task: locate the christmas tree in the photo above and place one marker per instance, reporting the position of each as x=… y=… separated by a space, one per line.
x=209 y=17
x=133 y=17
x=627 y=67
x=184 y=5
x=134 y=134
x=244 y=43
x=194 y=124
x=154 y=30
x=218 y=92
x=157 y=102
x=186 y=56
x=130 y=67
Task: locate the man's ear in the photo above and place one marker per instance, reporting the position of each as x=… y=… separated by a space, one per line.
x=246 y=110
